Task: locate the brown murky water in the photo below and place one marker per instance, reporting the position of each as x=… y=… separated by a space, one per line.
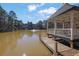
x=21 y=43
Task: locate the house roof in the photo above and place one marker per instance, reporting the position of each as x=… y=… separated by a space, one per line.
x=64 y=8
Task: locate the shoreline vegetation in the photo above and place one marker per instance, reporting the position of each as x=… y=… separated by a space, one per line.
x=9 y=22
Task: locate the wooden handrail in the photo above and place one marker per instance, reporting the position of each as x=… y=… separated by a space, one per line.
x=60 y=29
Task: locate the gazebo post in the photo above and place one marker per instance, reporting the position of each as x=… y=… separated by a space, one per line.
x=72 y=19
x=47 y=26
x=56 y=46
x=55 y=26
x=63 y=25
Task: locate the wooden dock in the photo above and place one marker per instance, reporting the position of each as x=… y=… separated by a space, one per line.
x=61 y=49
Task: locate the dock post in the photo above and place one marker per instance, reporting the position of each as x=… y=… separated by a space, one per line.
x=40 y=35
x=56 y=47
x=71 y=44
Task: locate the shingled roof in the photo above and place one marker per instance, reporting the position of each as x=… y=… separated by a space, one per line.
x=64 y=8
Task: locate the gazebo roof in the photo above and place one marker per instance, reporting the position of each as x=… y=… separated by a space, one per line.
x=64 y=8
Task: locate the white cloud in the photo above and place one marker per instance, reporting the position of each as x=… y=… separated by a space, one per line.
x=41 y=4
x=47 y=16
x=49 y=10
x=33 y=7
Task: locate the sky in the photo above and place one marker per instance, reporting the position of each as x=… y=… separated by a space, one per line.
x=32 y=12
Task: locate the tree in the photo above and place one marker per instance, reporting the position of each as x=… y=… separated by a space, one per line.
x=30 y=25
x=39 y=25
x=13 y=19
x=44 y=24
x=3 y=19
x=20 y=24
x=8 y=21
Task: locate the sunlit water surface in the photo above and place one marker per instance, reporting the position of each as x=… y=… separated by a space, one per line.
x=22 y=43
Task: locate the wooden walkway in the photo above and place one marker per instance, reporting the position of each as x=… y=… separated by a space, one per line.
x=62 y=49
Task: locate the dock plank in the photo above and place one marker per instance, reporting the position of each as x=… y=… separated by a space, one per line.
x=62 y=49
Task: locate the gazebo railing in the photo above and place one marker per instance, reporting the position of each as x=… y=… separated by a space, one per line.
x=76 y=33
x=61 y=32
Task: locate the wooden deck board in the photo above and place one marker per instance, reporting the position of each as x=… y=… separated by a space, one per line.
x=70 y=52
x=62 y=49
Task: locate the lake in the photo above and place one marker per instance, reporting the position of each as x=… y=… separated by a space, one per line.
x=22 y=43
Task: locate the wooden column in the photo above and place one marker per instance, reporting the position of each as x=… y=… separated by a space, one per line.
x=72 y=20
x=71 y=44
x=63 y=25
x=56 y=47
x=55 y=27
x=47 y=25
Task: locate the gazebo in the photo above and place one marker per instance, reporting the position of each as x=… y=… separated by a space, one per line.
x=64 y=23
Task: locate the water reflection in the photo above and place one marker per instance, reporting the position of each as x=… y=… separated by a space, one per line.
x=22 y=43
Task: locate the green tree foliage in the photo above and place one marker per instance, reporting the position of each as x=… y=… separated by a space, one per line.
x=39 y=24
x=9 y=22
x=3 y=19
x=30 y=25
x=44 y=24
